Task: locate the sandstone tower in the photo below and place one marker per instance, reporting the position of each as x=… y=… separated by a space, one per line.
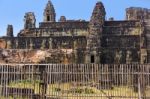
x=10 y=31
x=94 y=38
x=49 y=13
x=29 y=20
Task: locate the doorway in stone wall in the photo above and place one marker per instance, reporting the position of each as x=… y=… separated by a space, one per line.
x=92 y=59
x=48 y=18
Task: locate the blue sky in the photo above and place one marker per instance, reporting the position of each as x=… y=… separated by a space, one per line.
x=12 y=11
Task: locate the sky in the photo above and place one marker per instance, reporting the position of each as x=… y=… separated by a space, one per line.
x=13 y=11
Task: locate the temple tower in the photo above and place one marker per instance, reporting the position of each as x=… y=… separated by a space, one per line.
x=29 y=20
x=9 y=31
x=62 y=19
x=95 y=33
x=49 y=13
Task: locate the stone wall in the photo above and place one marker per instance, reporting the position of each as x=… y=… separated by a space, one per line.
x=63 y=42
x=122 y=28
x=120 y=56
x=147 y=35
x=65 y=50
x=136 y=13
x=57 y=29
x=61 y=56
x=121 y=42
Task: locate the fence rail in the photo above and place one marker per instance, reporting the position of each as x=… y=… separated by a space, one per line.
x=75 y=81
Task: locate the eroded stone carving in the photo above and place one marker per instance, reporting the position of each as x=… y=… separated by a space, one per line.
x=128 y=57
x=43 y=44
x=29 y=20
x=118 y=57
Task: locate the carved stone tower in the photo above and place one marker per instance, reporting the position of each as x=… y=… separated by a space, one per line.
x=94 y=38
x=49 y=13
x=62 y=19
x=10 y=31
x=29 y=20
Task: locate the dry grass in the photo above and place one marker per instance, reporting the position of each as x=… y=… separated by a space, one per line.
x=69 y=91
x=86 y=92
x=26 y=84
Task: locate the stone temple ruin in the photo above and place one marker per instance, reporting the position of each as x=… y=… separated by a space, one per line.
x=53 y=61
x=98 y=41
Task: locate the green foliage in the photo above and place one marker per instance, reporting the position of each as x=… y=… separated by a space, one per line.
x=89 y=91
x=57 y=89
x=82 y=90
x=79 y=90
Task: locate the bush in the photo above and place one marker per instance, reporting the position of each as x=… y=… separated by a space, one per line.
x=89 y=91
x=78 y=90
x=57 y=89
x=83 y=90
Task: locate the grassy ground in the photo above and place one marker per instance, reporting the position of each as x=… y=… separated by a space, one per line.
x=84 y=92
x=26 y=84
x=12 y=98
x=70 y=91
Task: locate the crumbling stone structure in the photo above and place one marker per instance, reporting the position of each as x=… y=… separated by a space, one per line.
x=78 y=41
x=29 y=20
x=136 y=13
x=49 y=13
x=10 y=31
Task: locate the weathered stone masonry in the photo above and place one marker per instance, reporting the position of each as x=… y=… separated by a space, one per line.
x=78 y=41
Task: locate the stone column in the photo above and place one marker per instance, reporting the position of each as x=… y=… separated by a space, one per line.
x=9 y=44
x=31 y=44
x=43 y=44
x=50 y=43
